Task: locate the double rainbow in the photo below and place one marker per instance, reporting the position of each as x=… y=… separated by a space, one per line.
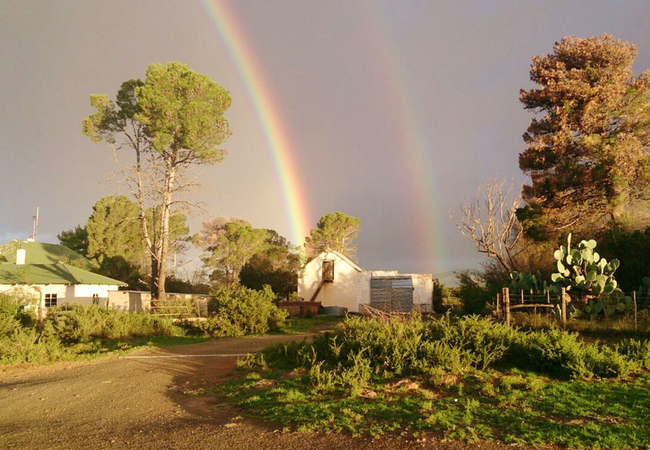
x=416 y=150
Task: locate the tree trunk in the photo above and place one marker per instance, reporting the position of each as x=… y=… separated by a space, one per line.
x=154 y=277
x=162 y=276
x=164 y=229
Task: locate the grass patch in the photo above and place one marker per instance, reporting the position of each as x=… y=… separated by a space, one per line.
x=499 y=406
x=468 y=379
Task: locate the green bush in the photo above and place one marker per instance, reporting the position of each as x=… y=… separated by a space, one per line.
x=83 y=323
x=19 y=306
x=636 y=350
x=242 y=311
x=361 y=349
x=474 y=295
x=561 y=354
x=7 y=325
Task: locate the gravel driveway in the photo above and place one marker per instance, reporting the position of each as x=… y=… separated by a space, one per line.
x=146 y=401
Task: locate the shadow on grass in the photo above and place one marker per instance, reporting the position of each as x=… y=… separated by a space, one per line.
x=303 y=325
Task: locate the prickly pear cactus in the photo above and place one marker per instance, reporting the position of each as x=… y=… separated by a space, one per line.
x=532 y=284
x=581 y=270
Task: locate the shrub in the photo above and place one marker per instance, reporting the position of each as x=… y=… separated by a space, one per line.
x=473 y=294
x=635 y=350
x=440 y=293
x=29 y=345
x=19 y=305
x=7 y=325
x=361 y=349
x=241 y=311
x=82 y=323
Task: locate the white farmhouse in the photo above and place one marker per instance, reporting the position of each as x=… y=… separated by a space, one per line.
x=51 y=281
x=334 y=280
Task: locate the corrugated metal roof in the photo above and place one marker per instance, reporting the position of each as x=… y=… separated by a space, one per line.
x=394 y=282
x=51 y=274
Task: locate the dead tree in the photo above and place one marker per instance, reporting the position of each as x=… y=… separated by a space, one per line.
x=490 y=221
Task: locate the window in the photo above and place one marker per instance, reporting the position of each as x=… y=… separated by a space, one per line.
x=328 y=270
x=95 y=299
x=50 y=300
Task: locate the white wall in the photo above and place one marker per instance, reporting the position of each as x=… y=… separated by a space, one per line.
x=342 y=292
x=81 y=294
x=131 y=301
x=363 y=288
x=423 y=291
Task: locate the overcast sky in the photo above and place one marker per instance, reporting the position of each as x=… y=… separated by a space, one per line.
x=396 y=111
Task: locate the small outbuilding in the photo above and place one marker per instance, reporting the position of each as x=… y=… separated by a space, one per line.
x=333 y=279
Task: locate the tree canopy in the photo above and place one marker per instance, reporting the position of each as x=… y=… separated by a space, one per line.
x=112 y=237
x=276 y=265
x=229 y=244
x=75 y=239
x=587 y=152
x=337 y=231
x=171 y=121
x=113 y=229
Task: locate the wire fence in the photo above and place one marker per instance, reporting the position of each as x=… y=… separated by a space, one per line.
x=564 y=306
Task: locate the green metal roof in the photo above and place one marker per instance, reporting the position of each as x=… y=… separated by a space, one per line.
x=51 y=274
x=44 y=253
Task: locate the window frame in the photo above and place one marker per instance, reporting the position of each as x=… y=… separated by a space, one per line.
x=51 y=300
x=328 y=271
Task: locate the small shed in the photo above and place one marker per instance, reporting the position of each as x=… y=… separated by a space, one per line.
x=333 y=279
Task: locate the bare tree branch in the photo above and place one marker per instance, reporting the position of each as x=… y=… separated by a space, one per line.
x=490 y=221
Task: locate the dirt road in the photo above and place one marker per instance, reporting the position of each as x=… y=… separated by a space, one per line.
x=147 y=400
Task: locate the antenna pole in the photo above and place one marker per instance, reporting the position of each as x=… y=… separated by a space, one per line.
x=35 y=225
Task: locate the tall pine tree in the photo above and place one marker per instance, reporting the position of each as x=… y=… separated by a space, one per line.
x=587 y=152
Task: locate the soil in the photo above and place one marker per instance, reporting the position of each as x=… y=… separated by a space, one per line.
x=149 y=400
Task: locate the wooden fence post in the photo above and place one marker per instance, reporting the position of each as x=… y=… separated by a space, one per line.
x=498 y=307
x=522 y=296
x=563 y=309
x=636 y=323
x=506 y=303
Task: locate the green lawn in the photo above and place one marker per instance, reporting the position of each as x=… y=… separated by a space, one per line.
x=511 y=407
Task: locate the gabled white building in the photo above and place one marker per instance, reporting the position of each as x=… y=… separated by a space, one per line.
x=335 y=280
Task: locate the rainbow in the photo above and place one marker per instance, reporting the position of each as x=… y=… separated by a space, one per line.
x=287 y=173
x=416 y=150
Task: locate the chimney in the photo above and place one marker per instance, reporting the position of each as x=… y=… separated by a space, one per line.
x=20 y=256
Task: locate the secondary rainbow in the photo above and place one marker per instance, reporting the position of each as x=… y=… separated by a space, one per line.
x=260 y=95
x=416 y=149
